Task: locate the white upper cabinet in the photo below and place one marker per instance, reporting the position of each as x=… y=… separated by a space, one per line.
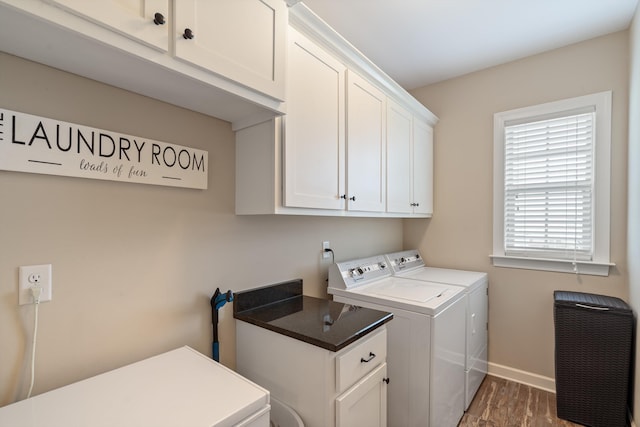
x=366 y=145
x=314 y=137
x=422 y=168
x=399 y=161
x=141 y=20
x=243 y=40
x=327 y=164
x=409 y=163
x=232 y=67
x=353 y=142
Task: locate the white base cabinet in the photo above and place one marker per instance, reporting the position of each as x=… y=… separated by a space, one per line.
x=327 y=389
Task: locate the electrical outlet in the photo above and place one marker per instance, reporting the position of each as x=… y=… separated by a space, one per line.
x=326 y=245
x=34 y=275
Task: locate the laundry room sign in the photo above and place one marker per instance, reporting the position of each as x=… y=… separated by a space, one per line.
x=46 y=146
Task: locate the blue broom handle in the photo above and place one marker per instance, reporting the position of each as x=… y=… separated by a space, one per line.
x=216 y=351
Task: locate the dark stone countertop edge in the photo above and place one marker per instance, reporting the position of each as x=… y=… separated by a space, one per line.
x=310 y=340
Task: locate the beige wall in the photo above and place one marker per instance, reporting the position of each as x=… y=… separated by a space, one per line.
x=134 y=265
x=460 y=234
x=633 y=254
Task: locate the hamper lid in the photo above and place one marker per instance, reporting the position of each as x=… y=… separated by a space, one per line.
x=586 y=300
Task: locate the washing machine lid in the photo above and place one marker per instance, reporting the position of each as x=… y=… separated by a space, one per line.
x=415 y=292
x=410 y=264
x=469 y=279
x=407 y=294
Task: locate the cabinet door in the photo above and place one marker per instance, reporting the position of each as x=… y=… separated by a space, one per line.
x=399 y=165
x=243 y=40
x=366 y=145
x=132 y=18
x=364 y=404
x=314 y=164
x=422 y=168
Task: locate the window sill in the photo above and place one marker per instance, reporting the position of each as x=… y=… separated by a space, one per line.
x=562 y=266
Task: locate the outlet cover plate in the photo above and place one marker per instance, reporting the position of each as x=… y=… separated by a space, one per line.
x=26 y=280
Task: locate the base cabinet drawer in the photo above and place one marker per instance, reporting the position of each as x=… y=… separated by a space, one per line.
x=360 y=360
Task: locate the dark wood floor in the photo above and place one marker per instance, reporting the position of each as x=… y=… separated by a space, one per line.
x=502 y=403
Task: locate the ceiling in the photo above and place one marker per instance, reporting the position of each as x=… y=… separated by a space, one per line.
x=419 y=42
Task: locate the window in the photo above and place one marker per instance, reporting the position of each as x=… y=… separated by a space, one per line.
x=551 y=186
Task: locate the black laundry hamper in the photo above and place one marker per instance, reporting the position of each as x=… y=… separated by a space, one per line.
x=593 y=344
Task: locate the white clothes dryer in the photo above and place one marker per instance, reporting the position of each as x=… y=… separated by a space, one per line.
x=426 y=341
x=410 y=265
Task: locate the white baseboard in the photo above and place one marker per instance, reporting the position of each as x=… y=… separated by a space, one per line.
x=523 y=377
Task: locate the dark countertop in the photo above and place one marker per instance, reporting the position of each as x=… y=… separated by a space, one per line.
x=282 y=308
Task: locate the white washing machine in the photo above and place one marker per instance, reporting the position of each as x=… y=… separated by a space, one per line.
x=409 y=264
x=426 y=341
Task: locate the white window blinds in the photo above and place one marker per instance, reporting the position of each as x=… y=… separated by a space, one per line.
x=548 y=187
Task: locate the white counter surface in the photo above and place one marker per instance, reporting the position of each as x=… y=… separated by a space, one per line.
x=179 y=388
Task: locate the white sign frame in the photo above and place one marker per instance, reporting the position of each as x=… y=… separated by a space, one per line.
x=41 y=145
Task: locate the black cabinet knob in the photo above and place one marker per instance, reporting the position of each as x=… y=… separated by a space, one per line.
x=188 y=34
x=352 y=198
x=344 y=196
x=385 y=380
x=158 y=19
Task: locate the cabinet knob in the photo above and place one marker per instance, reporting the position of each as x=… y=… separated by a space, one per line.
x=188 y=34
x=352 y=198
x=158 y=19
x=368 y=359
x=344 y=196
x=385 y=380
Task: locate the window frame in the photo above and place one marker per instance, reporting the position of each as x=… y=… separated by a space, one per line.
x=600 y=263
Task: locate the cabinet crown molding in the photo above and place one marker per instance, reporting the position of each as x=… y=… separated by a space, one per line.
x=311 y=25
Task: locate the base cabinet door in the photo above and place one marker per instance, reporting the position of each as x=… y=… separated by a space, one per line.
x=364 y=404
x=243 y=40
